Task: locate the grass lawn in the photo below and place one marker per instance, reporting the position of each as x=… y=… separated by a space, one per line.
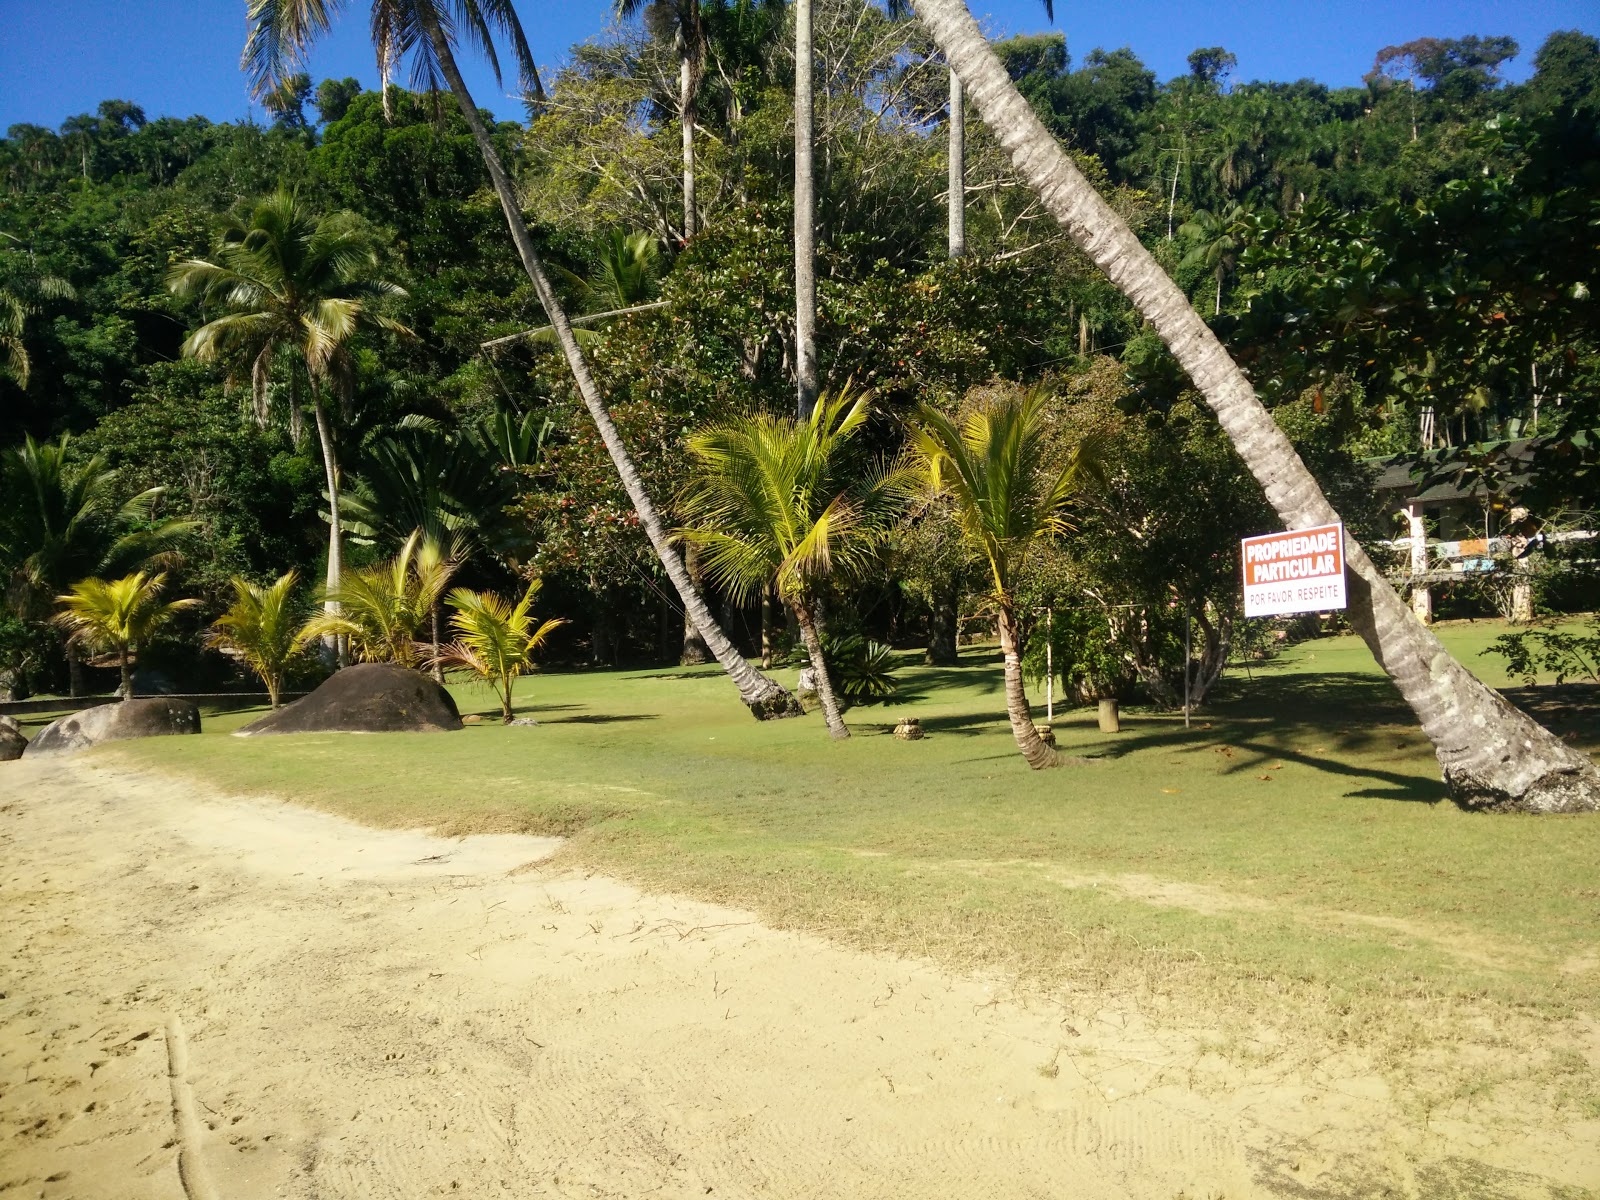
x=1292 y=848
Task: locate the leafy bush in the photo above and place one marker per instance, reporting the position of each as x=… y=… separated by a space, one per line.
x=1564 y=655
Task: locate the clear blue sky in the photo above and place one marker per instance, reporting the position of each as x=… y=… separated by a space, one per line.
x=180 y=57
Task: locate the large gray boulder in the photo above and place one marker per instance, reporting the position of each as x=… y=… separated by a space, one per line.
x=12 y=743
x=155 y=716
x=369 y=698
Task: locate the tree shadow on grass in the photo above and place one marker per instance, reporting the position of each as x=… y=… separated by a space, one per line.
x=694 y=673
x=600 y=719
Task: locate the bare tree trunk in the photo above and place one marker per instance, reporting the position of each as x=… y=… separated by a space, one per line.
x=763 y=697
x=694 y=652
x=942 y=648
x=1034 y=751
x=837 y=729
x=958 y=168
x=1490 y=755
x=805 y=218
x=330 y=466
x=686 y=111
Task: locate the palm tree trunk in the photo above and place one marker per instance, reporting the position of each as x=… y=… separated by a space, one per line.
x=127 y=672
x=767 y=621
x=958 y=168
x=805 y=218
x=1034 y=751
x=763 y=697
x=330 y=466
x=74 y=673
x=438 y=667
x=1490 y=755
x=686 y=110
x=837 y=729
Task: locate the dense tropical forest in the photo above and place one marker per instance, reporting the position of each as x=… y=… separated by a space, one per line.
x=222 y=342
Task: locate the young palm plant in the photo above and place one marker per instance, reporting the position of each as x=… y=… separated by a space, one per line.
x=263 y=629
x=495 y=641
x=380 y=608
x=1009 y=493
x=428 y=32
x=118 y=615
x=786 y=502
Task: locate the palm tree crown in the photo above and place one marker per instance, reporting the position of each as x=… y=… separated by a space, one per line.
x=292 y=281
x=495 y=640
x=262 y=629
x=118 y=615
x=1009 y=488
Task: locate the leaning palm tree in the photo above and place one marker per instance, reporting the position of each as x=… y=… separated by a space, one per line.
x=785 y=502
x=70 y=518
x=1009 y=493
x=299 y=287
x=280 y=33
x=380 y=608
x=118 y=616
x=1490 y=755
x=495 y=641
x=262 y=629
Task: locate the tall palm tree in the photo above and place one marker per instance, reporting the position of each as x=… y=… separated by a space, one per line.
x=262 y=629
x=282 y=30
x=785 y=502
x=299 y=287
x=69 y=518
x=805 y=215
x=381 y=607
x=683 y=20
x=1009 y=492
x=119 y=615
x=1490 y=755
x=494 y=640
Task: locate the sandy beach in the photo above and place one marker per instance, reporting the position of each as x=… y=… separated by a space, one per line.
x=211 y=997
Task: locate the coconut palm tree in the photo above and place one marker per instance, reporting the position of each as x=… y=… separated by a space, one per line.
x=495 y=641
x=680 y=18
x=380 y=608
x=1216 y=243
x=299 y=287
x=1009 y=491
x=280 y=33
x=69 y=518
x=785 y=502
x=1490 y=755
x=118 y=615
x=262 y=629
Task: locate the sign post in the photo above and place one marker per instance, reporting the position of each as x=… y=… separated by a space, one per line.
x=1295 y=572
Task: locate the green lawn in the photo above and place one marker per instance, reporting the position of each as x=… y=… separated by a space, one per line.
x=1296 y=833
